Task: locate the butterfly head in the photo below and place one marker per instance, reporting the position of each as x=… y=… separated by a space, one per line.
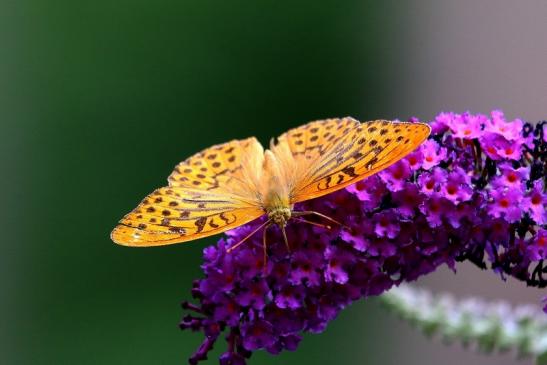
x=280 y=216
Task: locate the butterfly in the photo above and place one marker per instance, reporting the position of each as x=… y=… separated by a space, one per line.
x=231 y=184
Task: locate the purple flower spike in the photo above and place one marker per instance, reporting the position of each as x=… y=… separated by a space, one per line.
x=474 y=191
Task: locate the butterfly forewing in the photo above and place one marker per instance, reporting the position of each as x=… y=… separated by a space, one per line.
x=311 y=140
x=366 y=149
x=219 y=168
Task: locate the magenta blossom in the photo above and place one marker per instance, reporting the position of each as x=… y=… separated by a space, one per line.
x=536 y=201
x=432 y=153
x=466 y=125
x=511 y=177
x=396 y=175
x=506 y=204
x=497 y=124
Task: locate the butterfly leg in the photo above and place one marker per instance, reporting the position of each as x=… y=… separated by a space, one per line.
x=265 y=246
x=314 y=223
x=231 y=248
x=285 y=238
x=312 y=212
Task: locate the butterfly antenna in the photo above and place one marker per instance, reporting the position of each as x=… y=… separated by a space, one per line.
x=312 y=212
x=314 y=223
x=230 y=249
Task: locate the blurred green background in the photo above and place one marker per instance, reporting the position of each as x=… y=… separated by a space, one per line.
x=98 y=102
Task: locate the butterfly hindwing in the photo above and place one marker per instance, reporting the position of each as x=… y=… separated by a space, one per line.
x=208 y=193
x=175 y=214
x=363 y=150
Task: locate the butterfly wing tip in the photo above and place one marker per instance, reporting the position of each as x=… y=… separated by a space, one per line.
x=428 y=127
x=121 y=238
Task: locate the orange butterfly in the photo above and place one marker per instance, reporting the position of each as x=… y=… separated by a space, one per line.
x=231 y=184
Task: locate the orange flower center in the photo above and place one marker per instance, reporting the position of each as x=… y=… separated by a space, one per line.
x=512 y=177
x=257 y=331
x=361 y=185
x=504 y=203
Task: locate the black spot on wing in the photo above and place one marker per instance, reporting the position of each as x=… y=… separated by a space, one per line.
x=178 y=230
x=350 y=171
x=200 y=224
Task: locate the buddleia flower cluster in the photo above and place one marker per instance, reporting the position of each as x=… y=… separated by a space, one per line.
x=475 y=191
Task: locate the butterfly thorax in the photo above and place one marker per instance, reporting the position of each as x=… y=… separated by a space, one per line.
x=275 y=194
x=277 y=207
